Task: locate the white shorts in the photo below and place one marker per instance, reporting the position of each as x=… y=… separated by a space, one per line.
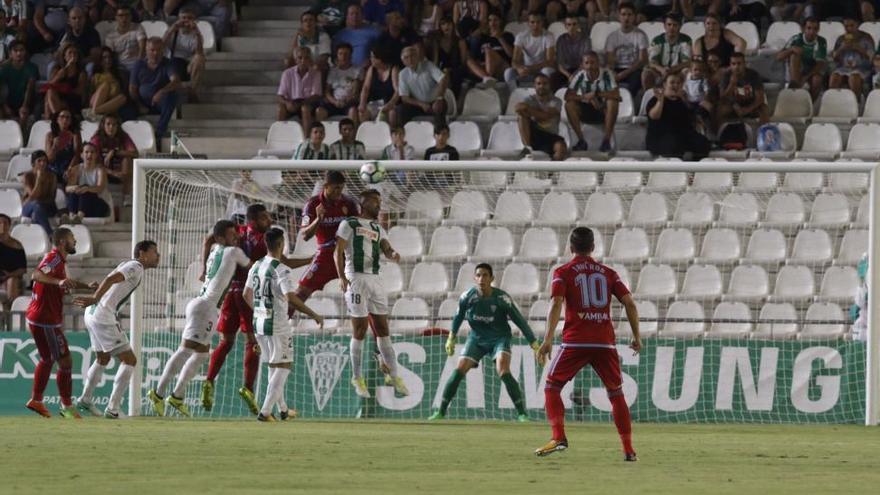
x=201 y=316
x=106 y=337
x=276 y=349
x=365 y=296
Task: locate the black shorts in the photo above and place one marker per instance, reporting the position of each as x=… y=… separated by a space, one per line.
x=180 y=65
x=543 y=140
x=332 y=110
x=591 y=114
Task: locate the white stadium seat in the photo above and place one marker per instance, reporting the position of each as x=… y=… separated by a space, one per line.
x=831 y=30
x=513 y=207
x=468 y=207
x=656 y=282
x=778 y=35
x=515 y=28
x=758 y=181
x=209 y=40
x=694 y=209
x=558 y=208
x=448 y=243
x=392 y=277
x=794 y=283
x=521 y=280
x=863 y=142
x=538 y=245
x=766 y=246
x=666 y=181
x=481 y=105
x=83 y=241
x=267 y=178
x=577 y=181
x=516 y=97
x=141 y=132
x=694 y=29
x=32 y=238
x=793 y=106
x=823 y=311
x=465 y=278
x=848 y=181
x=529 y=181
x=375 y=136
x=871 y=114
x=428 y=278
x=465 y=137
x=407 y=241
x=872 y=28
x=739 y=209
x=747 y=283
x=747 y=31
x=685 y=309
x=504 y=139
x=648 y=209
x=416 y=312
x=802 y=182
x=821 y=141
x=839 y=284
x=445 y=314
x=647 y=310
x=853 y=246
x=283 y=137
x=701 y=282
x=785 y=210
x=87 y=130
x=154 y=28
x=712 y=181
x=838 y=106
x=731 y=311
x=10 y=137
x=331 y=131
x=603 y=209
x=305 y=248
x=538 y=316
x=777 y=311
x=37 y=135
x=862 y=212
x=629 y=245
x=10 y=203
x=811 y=246
x=325 y=307
x=788 y=141
x=674 y=246
x=493 y=244
x=423 y=207
x=652 y=29
x=622 y=180
x=599 y=33
x=18 y=165
x=191 y=282
x=720 y=245
x=419 y=135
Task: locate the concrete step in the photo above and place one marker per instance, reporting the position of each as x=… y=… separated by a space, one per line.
x=245 y=123
x=292 y=24
x=230 y=111
x=262 y=44
x=256 y=65
x=299 y=3
x=238 y=97
x=257 y=12
x=241 y=77
x=224 y=56
x=282 y=32
x=223 y=147
x=241 y=90
x=220 y=132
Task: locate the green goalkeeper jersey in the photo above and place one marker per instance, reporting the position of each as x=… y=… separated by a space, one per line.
x=488 y=315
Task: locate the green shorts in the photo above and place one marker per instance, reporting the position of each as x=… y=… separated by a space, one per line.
x=475 y=348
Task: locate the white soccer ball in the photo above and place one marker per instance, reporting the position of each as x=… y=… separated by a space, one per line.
x=372 y=172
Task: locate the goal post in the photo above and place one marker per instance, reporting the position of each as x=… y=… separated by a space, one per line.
x=176 y=201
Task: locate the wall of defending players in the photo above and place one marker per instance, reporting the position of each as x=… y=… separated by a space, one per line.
x=671 y=380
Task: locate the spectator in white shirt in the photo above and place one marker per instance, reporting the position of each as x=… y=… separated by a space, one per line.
x=422 y=87
x=626 y=50
x=342 y=89
x=312 y=37
x=534 y=52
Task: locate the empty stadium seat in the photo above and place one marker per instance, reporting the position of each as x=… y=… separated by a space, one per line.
x=538 y=316
x=576 y=181
x=853 y=246
x=748 y=32
x=821 y=141
x=10 y=137
x=871 y=114
x=465 y=278
x=392 y=278
x=656 y=282
x=154 y=28
x=838 y=106
x=785 y=210
x=209 y=40
x=83 y=241
x=674 y=246
x=504 y=139
x=513 y=207
x=863 y=211
x=666 y=181
x=18 y=165
x=375 y=136
x=331 y=131
x=10 y=203
x=625 y=110
x=515 y=28
x=468 y=207
x=652 y=29
x=538 y=245
x=521 y=280
x=603 y=209
x=701 y=282
x=493 y=243
x=685 y=309
x=32 y=238
x=516 y=97
x=448 y=243
x=794 y=283
x=766 y=246
x=794 y=106
x=647 y=310
x=599 y=33
x=831 y=30
x=648 y=209
x=720 y=245
x=839 y=284
x=811 y=246
x=325 y=307
x=622 y=180
x=712 y=181
x=446 y=313
x=776 y=311
x=529 y=181
x=863 y=142
x=423 y=207
x=739 y=209
x=803 y=182
x=747 y=283
x=416 y=313
x=482 y=105
x=465 y=137
x=757 y=181
x=407 y=241
x=142 y=134
x=731 y=311
x=558 y=208
x=629 y=245
x=87 y=130
x=283 y=137
x=778 y=35
x=823 y=311
x=694 y=209
x=848 y=181
x=37 y=135
x=420 y=135
x=694 y=29
x=428 y=278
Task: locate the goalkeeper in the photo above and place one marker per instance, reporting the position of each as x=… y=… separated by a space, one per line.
x=487 y=309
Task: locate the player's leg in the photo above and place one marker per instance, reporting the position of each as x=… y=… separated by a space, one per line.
x=127 y=362
x=470 y=357
x=42 y=371
x=502 y=365
x=86 y=403
x=356 y=301
x=191 y=331
x=251 y=353
x=606 y=363
x=564 y=367
x=197 y=357
x=227 y=327
x=377 y=306
x=280 y=356
x=63 y=376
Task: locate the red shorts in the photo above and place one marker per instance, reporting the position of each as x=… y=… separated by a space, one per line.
x=569 y=360
x=235 y=314
x=321 y=271
x=51 y=342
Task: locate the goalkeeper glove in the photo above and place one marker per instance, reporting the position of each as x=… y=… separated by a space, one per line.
x=450 y=345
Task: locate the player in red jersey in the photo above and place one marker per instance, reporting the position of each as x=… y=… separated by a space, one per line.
x=235 y=314
x=45 y=318
x=584 y=286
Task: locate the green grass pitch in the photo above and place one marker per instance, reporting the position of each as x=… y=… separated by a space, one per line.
x=149 y=455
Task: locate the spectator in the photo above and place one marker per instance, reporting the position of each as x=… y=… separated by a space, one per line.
x=597 y=10
x=791 y=10
x=63 y=144
x=430 y=18
x=469 y=16
x=331 y=15
x=626 y=50
x=375 y=11
x=742 y=93
x=343 y=88
x=875 y=77
x=357 y=34
x=379 y=95
x=441 y=150
x=534 y=52
x=538 y=121
x=852 y=58
x=7 y=36
x=448 y=53
x=66 y=88
x=87 y=193
x=13 y=263
x=347 y=148
x=82 y=36
x=127 y=40
x=40 y=185
x=806 y=55
x=396 y=36
x=714 y=70
x=724 y=42
x=314 y=148
x=117 y=152
x=492 y=55
x=19 y=78
x=153 y=86
x=570 y=49
x=592 y=97
x=562 y=9
x=657 y=9
x=312 y=37
x=49 y=24
x=422 y=88
x=671 y=131
x=186 y=49
x=15 y=12
x=217 y=12
x=106 y=88
x=868 y=9
x=699 y=93
x=669 y=52
x=701 y=8
x=754 y=11
x=300 y=89
x=399 y=149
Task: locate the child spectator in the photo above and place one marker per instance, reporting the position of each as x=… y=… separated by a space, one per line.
x=13 y=262
x=63 y=144
x=117 y=152
x=379 y=96
x=66 y=89
x=106 y=88
x=805 y=54
x=314 y=148
x=87 y=193
x=342 y=89
x=300 y=89
x=441 y=150
x=399 y=149
x=185 y=48
x=697 y=90
x=347 y=148
x=40 y=185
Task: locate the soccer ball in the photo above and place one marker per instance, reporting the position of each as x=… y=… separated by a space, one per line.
x=372 y=172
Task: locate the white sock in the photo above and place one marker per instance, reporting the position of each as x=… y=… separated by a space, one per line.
x=120 y=385
x=281 y=375
x=272 y=391
x=190 y=370
x=282 y=397
x=93 y=377
x=171 y=368
x=387 y=351
x=357 y=356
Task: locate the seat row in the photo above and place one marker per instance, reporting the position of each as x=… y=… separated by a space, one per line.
x=11 y=140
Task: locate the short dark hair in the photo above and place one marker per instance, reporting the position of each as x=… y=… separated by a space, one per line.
x=672 y=16
x=308 y=12
x=315 y=125
x=438 y=128
x=143 y=247
x=36 y=155
x=60 y=234
x=485 y=266
x=581 y=240
x=274 y=238
x=189 y=9
x=254 y=210
x=626 y=5
x=221 y=227
x=334 y=177
x=811 y=19
x=366 y=193
x=738 y=55
x=17 y=43
x=343 y=45
x=346 y=121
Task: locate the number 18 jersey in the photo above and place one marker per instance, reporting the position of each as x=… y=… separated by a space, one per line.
x=586 y=285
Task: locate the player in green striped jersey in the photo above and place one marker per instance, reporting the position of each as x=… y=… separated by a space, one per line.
x=487 y=310
x=359 y=242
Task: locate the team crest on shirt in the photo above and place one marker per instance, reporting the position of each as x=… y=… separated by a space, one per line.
x=325 y=361
x=493 y=308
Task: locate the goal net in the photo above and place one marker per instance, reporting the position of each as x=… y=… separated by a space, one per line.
x=744 y=274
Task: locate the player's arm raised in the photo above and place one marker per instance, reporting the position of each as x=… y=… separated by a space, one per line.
x=317 y=215
x=103 y=287
x=389 y=251
x=632 y=314
x=64 y=283
x=553 y=317
x=339 y=261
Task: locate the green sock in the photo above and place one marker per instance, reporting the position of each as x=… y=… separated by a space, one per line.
x=514 y=392
x=450 y=388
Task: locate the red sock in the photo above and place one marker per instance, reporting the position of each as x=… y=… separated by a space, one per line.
x=251 y=365
x=555 y=411
x=218 y=357
x=620 y=412
x=65 y=385
x=41 y=378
